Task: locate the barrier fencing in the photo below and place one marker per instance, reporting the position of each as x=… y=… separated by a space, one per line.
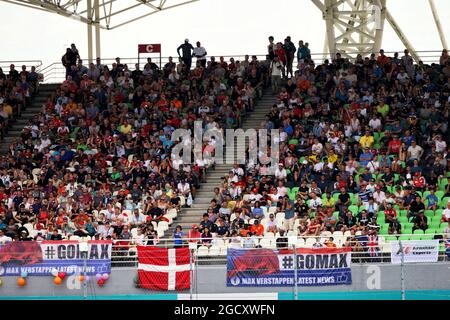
x=363 y=250
x=288 y=265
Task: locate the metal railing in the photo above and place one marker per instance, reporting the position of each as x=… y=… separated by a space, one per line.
x=19 y=63
x=124 y=252
x=55 y=72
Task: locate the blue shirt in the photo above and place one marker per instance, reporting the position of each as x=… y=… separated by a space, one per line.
x=432 y=199
x=364 y=158
x=177 y=236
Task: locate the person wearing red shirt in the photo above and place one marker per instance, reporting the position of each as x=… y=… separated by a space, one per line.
x=419 y=181
x=194 y=235
x=313 y=228
x=281 y=54
x=389 y=213
x=394 y=145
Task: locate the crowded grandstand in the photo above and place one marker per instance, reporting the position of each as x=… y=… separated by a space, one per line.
x=364 y=150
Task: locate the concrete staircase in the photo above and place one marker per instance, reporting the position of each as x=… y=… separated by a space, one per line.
x=189 y=216
x=16 y=126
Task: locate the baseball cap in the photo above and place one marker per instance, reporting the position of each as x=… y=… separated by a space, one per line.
x=194 y=226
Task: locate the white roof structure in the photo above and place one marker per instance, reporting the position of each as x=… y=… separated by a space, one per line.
x=101 y=14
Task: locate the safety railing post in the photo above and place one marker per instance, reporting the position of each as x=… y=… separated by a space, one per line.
x=402 y=269
x=191 y=270
x=295 y=273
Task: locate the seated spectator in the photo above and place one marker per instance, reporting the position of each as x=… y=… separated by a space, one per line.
x=272 y=224
x=394 y=226
x=446 y=213
x=206 y=237
x=416 y=207
x=257 y=228
x=329 y=243
x=194 y=235
x=282 y=240
x=390 y=213
x=420 y=222
x=178 y=235
x=432 y=201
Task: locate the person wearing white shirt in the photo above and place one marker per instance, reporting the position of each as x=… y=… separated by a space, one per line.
x=4 y=239
x=379 y=196
x=373 y=166
x=315 y=201
x=415 y=151
x=446 y=213
x=375 y=122
x=137 y=218
x=317 y=147
x=184 y=188
x=237 y=170
x=200 y=53
x=280 y=172
x=440 y=144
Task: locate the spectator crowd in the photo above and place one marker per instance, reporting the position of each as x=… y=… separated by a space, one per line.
x=364 y=149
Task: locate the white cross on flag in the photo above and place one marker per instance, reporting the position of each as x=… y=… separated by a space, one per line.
x=164 y=269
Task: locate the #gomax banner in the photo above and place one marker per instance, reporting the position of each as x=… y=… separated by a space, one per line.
x=415 y=251
x=40 y=258
x=272 y=268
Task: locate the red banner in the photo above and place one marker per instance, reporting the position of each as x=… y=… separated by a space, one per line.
x=149 y=48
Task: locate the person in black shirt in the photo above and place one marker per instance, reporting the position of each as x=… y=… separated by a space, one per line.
x=187 y=50
x=420 y=222
x=205 y=223
x=416 y=207
x=343 y=202
x=290 y=49
x=156 y=212
x=395 y=227
x=301 y=208
x=55 y=235
x=222 y=229
x=282 y=241
x=350 y=220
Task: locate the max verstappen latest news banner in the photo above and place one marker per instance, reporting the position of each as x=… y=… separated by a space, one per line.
x=40 y=258
x=276 y=268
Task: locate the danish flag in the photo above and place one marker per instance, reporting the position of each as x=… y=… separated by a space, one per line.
x=164 y=269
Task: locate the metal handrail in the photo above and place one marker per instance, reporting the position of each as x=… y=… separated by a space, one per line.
x=125 y=255
x=55 y=72
x=19 y=63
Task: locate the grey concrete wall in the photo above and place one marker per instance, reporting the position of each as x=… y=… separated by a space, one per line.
x=212 y=279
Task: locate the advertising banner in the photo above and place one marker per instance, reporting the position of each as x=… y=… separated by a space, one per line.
x=276 y=268
x=415 y=251
x=40 y=258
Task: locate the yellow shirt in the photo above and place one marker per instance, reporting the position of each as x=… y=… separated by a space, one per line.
x=125 y=129
x=231 y=205
x=329 y=202
x=366 y=141
x=333 y=158
x=8 y=109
